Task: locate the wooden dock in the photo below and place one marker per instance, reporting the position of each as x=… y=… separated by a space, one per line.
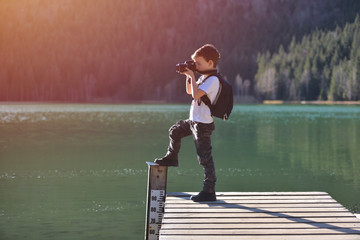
x=258 y=215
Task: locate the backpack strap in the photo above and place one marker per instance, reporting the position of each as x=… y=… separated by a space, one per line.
x=205 y=98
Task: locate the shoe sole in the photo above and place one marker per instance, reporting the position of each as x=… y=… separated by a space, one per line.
x=166 y=165
x=206 y=200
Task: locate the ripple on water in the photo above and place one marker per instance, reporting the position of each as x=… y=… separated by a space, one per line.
x=111 y=206
x=42 y=174
x=139 y=113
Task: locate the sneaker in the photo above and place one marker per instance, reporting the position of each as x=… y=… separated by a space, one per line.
x=204 y=197
x=170 y=160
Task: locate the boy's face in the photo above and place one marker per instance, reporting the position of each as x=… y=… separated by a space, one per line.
x=202 y=64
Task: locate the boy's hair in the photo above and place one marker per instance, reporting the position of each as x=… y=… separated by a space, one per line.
x=208 y=52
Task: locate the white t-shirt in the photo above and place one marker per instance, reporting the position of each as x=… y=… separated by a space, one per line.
x=201 y=113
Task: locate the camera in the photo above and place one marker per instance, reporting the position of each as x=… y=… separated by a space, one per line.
x=181 y=67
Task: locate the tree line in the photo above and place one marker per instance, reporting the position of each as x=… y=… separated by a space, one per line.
x=324 y=65
x=124 y=50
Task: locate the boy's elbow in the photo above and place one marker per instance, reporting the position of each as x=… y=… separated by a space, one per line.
x=194 y=96
x=198 y=94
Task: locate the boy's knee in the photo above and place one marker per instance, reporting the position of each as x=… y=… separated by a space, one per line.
x=178 y=130
x=173 y=134
x=174 y=131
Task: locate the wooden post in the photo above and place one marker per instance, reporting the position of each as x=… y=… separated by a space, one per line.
x=156 y=192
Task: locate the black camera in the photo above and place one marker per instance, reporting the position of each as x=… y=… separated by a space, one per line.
x=181 y=67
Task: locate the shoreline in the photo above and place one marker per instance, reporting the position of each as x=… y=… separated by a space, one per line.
x=275 y=102
x=160 y=102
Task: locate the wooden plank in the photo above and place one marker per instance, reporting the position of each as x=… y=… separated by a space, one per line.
x=313 y=231
x=250 y=193
x=263 y=220
x=248 y=210
x=257 y=215
x=258 y=201
x=245 y=208
x=251 y=205
x=254 y=197
x=292 y=225
x=273 y=237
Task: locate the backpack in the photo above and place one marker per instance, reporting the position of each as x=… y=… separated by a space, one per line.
x=223 y=102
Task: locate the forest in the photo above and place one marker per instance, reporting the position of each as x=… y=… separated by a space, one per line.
x=126 y=51
x=324 y=65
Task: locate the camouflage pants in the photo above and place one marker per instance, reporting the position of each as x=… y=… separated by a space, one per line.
x=201 y=133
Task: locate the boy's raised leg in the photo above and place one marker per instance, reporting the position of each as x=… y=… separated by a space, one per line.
x=176 y=133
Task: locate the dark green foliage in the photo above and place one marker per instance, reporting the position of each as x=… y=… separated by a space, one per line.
x=322 y=66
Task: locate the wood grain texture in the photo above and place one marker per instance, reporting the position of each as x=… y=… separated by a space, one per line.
x=258 y=215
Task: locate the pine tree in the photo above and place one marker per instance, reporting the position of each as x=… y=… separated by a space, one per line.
x=323 y=65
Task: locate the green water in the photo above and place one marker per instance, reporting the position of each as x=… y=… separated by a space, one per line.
x=78 y=171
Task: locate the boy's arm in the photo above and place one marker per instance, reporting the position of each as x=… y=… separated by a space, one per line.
x=188 y=85
x=192 y=88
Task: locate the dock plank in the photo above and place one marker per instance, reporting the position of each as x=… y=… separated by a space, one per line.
x=251 y=205
x=280 y=231
x=186 y=226
x=214 y=214
x=274 y=237
x=262 y=220
x=241 y=209
x=314 y=193
x=277 y=201
x=256 y=197
x=255 y=215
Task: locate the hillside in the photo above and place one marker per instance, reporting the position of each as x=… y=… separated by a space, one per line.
x=324 y=65
x=112 y=50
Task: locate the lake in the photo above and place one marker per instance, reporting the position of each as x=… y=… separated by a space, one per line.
x=78 y=171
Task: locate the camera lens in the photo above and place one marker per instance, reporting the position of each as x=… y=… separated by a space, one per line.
x=181 y=67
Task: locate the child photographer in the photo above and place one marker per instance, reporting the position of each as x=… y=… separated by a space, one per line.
x=200 y=123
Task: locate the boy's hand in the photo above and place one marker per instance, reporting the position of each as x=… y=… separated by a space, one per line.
x=192 y=87
x=189 y=73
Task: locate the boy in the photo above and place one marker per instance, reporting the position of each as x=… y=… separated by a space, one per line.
x=200 y=123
